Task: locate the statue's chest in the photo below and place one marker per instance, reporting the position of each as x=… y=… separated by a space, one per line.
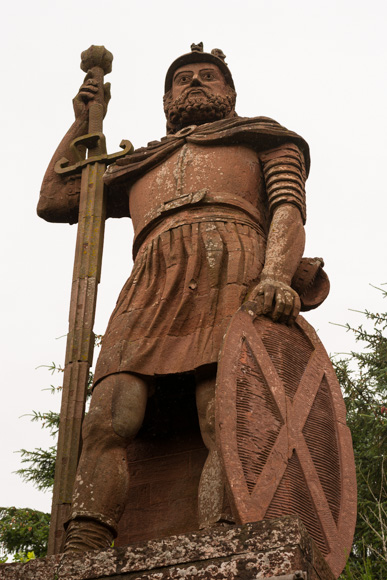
x=233 y=169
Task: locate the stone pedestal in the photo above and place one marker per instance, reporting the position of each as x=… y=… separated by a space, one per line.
x=276 y=549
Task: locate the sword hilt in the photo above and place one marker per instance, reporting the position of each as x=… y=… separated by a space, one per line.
x=97 y=60
x=92 y=142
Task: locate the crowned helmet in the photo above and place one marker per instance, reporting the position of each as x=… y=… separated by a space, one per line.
x=216 y=56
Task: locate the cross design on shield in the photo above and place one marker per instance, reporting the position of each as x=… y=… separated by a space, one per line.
x=281 y=430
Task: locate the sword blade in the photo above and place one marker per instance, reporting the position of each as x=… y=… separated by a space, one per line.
x=80 y=344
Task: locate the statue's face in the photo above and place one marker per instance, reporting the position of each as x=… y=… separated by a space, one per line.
x=199 y=94
x=197 y=78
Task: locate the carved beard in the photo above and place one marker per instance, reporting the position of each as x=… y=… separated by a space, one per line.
x=196 y=109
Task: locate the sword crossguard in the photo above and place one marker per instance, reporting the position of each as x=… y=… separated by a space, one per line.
x=90 y=141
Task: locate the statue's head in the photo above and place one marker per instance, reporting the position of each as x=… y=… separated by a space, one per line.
x=198 y=89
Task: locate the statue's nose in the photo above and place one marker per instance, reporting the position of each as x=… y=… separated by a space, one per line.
x=195 y=81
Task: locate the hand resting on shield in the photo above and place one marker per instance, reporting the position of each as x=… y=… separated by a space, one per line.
x=274 y=299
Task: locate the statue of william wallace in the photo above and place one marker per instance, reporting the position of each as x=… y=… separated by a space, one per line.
x=218 y=210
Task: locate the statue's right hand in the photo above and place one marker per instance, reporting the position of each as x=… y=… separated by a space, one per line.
x=91 y=91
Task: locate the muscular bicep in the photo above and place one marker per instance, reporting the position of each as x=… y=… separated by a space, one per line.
x=59 y=199
x=59 y=194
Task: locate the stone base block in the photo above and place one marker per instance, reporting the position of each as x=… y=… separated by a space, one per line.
x=276 y=549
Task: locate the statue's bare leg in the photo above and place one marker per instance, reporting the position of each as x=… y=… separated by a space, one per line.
x=116 y=413
x=211 y=486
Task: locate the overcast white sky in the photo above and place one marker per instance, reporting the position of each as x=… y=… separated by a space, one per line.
x=319 y=67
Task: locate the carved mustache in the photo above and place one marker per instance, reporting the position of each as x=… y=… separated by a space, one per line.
x=190 y=90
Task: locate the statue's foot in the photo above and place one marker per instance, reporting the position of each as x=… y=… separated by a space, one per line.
x=85 y=534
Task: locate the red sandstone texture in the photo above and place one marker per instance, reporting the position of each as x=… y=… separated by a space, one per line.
x=263 y=550
x=300 y=459
x=218 y=208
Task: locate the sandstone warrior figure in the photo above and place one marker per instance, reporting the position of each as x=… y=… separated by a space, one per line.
x=218 y=209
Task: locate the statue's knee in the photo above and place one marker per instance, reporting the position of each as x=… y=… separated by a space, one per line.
x=129 y=400
x=117 y=410
x=96 y=424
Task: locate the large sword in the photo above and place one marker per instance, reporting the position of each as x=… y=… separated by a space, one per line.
x=86 y=276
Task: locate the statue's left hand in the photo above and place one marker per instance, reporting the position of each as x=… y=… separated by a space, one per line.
x=275 y=299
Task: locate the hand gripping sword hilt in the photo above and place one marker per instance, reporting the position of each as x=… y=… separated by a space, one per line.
x=98 y=60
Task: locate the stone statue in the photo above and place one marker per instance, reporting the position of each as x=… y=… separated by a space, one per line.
x=218 y=209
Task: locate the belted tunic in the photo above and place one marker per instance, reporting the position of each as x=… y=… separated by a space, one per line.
x=201 y=202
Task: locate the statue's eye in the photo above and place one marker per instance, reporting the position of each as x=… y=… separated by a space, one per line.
x=208 y=76
x=184 y=79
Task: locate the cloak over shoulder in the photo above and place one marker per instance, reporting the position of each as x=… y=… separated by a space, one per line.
x=259 y=133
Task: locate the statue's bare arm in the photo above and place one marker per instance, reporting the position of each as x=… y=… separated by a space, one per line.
x=285 y=245
x=59 y=196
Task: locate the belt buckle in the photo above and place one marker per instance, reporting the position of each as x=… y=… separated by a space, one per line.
x=187 y=199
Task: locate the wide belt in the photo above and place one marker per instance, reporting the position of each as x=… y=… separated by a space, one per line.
x=198 y=206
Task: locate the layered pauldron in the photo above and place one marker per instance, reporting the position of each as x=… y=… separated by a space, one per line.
x=285 y=175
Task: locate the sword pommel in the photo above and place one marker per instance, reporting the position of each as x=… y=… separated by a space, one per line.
x=97 y=56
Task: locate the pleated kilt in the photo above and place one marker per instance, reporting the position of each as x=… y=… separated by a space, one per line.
x=187 y=282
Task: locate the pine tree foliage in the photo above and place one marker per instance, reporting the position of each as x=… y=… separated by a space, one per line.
x=40 y=468
x=22 y=531
x=363 y=378
x=40 y=463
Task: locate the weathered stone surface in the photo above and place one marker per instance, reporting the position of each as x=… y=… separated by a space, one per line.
x=164 y=472
x=258 y=550
x=300 y=459
x=218 y=209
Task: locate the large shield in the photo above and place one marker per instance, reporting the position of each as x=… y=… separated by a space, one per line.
x=281 y=431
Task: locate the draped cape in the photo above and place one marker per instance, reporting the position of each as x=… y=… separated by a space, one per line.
x=259 y=133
